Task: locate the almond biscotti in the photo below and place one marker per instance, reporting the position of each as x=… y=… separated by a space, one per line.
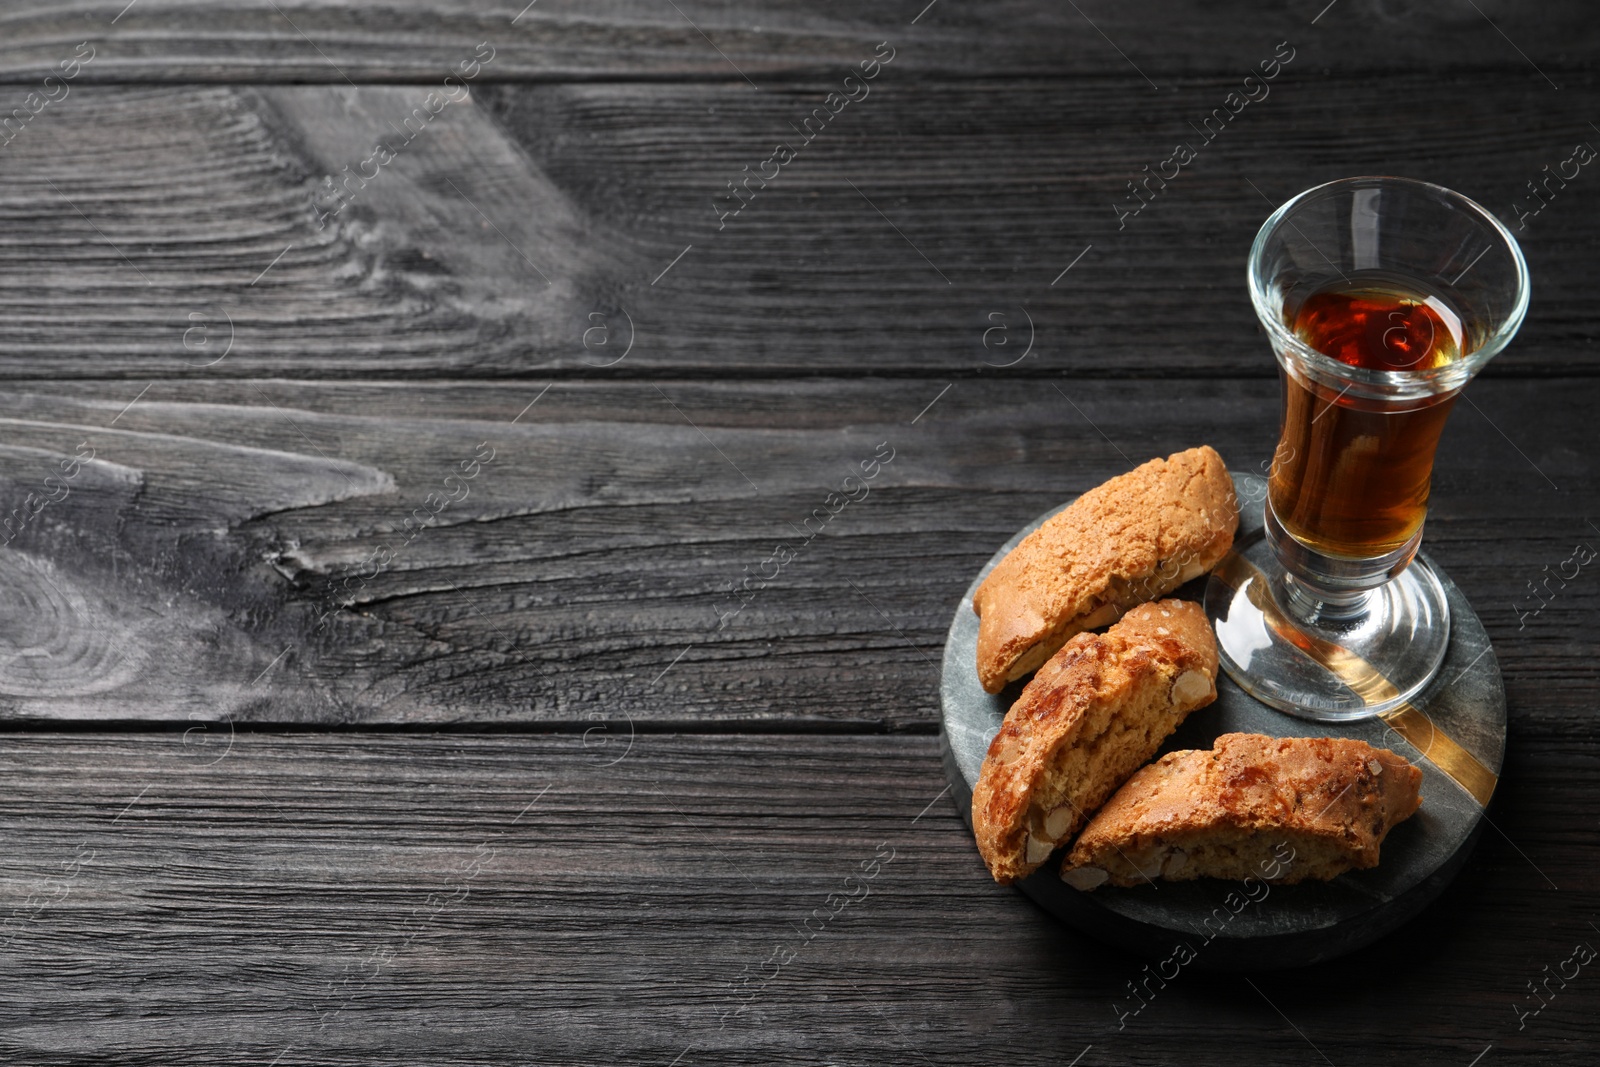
x=1227 y=812
x=1097 y=710
x=1135 y=538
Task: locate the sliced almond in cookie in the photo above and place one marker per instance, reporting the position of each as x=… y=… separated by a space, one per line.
x=1085 y=877
x=1191 y=687
x=1059 y=822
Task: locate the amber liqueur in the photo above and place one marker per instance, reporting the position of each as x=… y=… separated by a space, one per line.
x=1351 y=474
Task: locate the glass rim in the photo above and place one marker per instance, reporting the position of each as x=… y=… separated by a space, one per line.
x=1434 y=379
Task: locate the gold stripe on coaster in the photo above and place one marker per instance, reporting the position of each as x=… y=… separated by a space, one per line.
x=1440 y=749
x=1410 y=722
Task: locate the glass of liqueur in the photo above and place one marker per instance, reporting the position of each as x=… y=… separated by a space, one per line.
x=1382 y=297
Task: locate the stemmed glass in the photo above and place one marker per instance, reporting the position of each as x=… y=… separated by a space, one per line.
x=1382 y=297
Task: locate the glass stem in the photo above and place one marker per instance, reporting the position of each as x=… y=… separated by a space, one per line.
x=1311 y=606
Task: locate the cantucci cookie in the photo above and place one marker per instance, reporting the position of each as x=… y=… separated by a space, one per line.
x=1137 y=537
x=1097 y=710
x=1228 y=812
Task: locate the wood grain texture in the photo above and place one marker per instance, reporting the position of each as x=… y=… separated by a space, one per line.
x=927 y=230
x=319 y=40
x=300 y=551
x=358 y=899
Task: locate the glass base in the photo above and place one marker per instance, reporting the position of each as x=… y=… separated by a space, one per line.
x=1364 y=658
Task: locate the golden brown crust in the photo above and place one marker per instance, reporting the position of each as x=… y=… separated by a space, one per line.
x=1209 y=813
x=1137 y=537
x=1096 y=711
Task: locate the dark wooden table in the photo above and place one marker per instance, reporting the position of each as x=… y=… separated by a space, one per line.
x=373 y=684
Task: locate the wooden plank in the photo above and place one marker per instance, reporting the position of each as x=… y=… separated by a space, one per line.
x=941 y=211
x=368 y=898
x=147 y=229
x=347 y=552
x=318 y=40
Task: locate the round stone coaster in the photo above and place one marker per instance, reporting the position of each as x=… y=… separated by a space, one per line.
x=1459 y=720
